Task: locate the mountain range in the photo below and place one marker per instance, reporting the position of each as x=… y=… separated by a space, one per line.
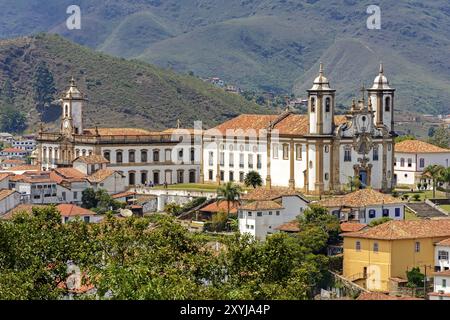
x=265 y=45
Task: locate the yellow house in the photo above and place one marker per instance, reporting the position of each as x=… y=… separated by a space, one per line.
x=376 y=256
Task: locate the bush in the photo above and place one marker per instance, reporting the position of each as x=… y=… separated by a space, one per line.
x=405 y=197
x=395 y=194
x=416 y=197
x=379 y=221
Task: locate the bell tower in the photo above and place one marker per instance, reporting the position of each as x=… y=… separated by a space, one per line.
x=321 y=104
x=72 y=110
x=381 y=96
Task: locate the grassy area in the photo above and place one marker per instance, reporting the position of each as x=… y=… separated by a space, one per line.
x=409 y=215
x=446 y=207
x=425 y=194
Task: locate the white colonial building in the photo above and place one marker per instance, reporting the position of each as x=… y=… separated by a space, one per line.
x=318 y=152
x=364 y=206
x=141 y=156
x=264 y=210
x=442 y=271
x=413 y=156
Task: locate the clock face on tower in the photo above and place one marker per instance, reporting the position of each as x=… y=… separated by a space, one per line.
x=66 y=124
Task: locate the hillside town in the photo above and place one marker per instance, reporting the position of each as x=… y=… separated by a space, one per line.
x=260 y=175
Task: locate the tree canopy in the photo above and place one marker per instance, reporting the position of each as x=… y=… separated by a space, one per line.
x=155 y=258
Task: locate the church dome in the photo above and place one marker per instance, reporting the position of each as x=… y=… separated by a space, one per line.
x=381 y=82
x=321 y=82
x=73 y=92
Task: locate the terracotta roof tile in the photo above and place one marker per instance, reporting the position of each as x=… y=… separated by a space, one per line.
x=417 y=146
x=67 y=174
x=120 y=132
x=291 y=226
x=123 y=194
x=21 y=208
x=261 y=205
x=382 y=296
x=220 y=206
x=445 y=242
x=71 y=210
x=23 y=168
x=358 y=199
x=100 y=175
x=408 y=229
x=13 y=150
x=270 y=194
x=290 y=124
x=3 y=176
x=92 y=159
x=445 y=273
x=4 y=193
x=352 y=226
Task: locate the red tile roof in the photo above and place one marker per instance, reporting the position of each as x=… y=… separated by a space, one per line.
x=286 y=124
x=220 y=206
x=71 y=210
x=92 y=159
x=261 y=205
x=100 y=175
x=123 y=194
x=270 y=194
x=359 y=199
x=352 y=226
x=67 y=174
x=408 y=229
x=13 y=150
x=3 y=176
x=382 y=296
x=445 y=242
x=417 y=146
x=5 y=193
x=291 y=226
x=445 y=273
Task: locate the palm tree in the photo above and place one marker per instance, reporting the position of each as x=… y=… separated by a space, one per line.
x=445 y=177
x=434 y=172
x=230 y=193
x=253 y=179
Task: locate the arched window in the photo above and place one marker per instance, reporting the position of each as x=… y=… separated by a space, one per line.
x=387 y=104
x=83 y=152
x=107 y=155
x=192 y=154
x=375 y=153
x=313 y=105
x=327 y=104
x=66 y=110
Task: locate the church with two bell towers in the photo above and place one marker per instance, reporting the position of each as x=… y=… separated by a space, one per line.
x=317 y=153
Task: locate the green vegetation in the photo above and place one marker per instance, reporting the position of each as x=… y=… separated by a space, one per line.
x=229 y=192
x=99 y=201
x=379 y=221
x=404 y=138
x=435 y=173
x=441 y=137
x=156 y=258
x=121 y=92
x=253 y=178
x=12 y=120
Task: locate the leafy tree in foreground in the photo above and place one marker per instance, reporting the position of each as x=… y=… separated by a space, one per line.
x=230 y=193
x=434 y=172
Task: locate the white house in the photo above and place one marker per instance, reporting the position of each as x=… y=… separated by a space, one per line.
x=111 y=181
x=9 y=199
x=413 y=156
x=25 y=143
x=442 y=271
x=265 y=209
x=70 y=212
x=364 y=206
x=13 y=153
